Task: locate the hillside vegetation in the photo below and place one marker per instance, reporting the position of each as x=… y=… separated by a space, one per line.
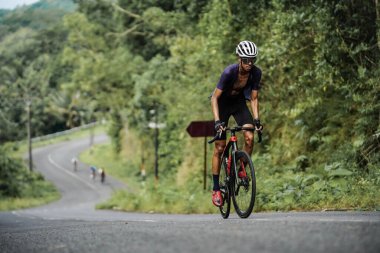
x=131 y=61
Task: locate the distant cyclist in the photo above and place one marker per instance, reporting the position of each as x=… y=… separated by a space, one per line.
x=102 y=175
x=74 y=161
x=238 y=83
x=93 y=172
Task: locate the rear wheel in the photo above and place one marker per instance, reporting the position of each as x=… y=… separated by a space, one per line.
x=244 y=188
x=224 y=189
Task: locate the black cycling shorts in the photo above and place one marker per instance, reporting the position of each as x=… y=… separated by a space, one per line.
x=237 y=108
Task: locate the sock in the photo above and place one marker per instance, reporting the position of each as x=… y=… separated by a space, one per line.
x=215 y=178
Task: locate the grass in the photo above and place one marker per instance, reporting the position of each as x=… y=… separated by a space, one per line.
x=35 y=192
x=284 y=189
x=7 y=204
x=281 y=188
x=165 y=196
x=158 y=199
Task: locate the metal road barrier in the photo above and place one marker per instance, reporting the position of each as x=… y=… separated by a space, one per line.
x=72 y=130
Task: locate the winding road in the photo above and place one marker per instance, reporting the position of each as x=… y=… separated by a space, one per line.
x=73 y=225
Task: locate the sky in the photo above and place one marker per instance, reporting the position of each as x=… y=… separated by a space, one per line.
x=11 y=4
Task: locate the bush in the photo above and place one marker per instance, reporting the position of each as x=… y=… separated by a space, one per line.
x=17 y=182
x=12 y=175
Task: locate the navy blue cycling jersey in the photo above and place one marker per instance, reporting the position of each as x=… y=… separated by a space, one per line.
x=230 y=75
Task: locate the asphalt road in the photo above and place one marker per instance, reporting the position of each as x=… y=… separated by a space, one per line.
x=73 y=225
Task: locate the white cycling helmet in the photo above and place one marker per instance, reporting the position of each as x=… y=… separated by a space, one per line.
x=246 y=49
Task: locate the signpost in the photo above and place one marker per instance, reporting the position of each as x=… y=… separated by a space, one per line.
x=202 y=129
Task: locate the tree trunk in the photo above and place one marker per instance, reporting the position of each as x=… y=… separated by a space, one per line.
x=156 y=146
x=377 y=23
x=29 y=126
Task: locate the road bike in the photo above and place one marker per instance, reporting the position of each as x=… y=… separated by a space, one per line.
x=237 y=176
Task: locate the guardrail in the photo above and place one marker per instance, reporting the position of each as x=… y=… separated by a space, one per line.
x=57 y=134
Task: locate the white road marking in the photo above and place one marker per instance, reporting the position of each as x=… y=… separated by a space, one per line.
x=19 y=214
x=146 y=220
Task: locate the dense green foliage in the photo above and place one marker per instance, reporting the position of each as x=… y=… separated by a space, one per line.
x=10 y=175
x=17 y=183
x=31 y=42
x=123 y=59
x=279 y=188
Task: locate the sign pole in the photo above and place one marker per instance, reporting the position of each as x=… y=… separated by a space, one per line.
x=205 y=165
x=156 y=126
x=202 y=129
x=156 y=146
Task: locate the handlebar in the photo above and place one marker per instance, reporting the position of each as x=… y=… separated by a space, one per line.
x=236 y=129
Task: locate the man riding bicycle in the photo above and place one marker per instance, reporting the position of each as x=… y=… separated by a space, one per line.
x=238 y=83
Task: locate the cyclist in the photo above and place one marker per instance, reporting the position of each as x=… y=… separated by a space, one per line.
x=93 y=172
x=102 y=175
x=239 y=82
x=74 y=161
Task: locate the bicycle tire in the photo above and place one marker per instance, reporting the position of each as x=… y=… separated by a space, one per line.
x=244 y=192
x=225 y=189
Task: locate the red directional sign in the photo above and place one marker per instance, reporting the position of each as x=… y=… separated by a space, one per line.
x=201 y=128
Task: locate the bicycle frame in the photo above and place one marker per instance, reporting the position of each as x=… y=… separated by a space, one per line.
x=232 y=143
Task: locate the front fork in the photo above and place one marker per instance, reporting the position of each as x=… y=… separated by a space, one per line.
x=231 y=157
x=239 y=182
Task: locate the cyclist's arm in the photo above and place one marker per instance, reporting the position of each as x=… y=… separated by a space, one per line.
x=214 y=103
x=255 y=103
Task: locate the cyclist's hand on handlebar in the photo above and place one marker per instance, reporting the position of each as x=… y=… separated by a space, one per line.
x=258 y=125
x=219 y=126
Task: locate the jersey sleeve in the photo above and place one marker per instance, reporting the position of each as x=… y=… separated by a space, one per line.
x=254 y=84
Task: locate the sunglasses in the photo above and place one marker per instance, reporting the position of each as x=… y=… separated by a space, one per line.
x=248 y=60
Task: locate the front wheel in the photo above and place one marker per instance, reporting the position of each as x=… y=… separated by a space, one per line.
x=244 y=187
x=225 y=189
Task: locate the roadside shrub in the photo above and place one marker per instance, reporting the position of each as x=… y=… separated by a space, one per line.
x=12 y=174
x=17 y=182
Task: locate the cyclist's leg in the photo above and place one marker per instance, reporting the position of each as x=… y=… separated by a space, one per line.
x=217 y=198
x=220 y=144
x=248 y=139
x=218 y=150
x=244 y=118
